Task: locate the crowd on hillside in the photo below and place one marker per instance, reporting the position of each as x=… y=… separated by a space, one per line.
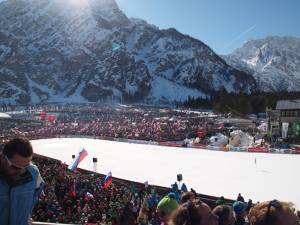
x=80 y=198
x=150 y=125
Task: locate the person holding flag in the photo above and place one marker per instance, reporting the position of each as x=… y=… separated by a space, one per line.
x=73 y=166
x=72 y=189
x=107 y=180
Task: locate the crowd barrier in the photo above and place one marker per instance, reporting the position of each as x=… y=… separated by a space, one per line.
x=258 y=150
x=133 y=141
x=279 y=151
x=295 y=150
x=46 y=223
x=213 y=148
x=201 y=146
x=170 y=144
x=238 y=149
x=110 y=139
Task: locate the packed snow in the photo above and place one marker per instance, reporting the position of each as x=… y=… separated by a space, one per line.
x=209 y=172
x=175 y=91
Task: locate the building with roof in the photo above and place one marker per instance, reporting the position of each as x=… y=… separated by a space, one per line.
x=289 y=118
x=289 y=110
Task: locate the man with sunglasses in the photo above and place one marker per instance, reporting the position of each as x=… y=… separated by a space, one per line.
x=20 y=183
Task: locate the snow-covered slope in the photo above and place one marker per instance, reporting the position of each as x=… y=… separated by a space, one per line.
x=231 y=173
x=89 y=51
x=274 y=62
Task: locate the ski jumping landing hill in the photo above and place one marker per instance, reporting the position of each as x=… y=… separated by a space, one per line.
x=209 y=172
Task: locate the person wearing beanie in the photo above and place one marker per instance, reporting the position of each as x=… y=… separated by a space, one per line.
x=249 y=205
x=166 y=206
x=240 y=198
x=240 y=212
x=221 y=201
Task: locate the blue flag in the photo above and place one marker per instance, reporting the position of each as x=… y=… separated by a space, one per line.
x=184 y=188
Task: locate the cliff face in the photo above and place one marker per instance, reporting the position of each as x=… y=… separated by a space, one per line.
x=89 y=51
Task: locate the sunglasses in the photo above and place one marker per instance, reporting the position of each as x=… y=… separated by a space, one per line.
x=14 y=166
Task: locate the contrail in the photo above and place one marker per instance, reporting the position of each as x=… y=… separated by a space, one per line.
x=240 y=35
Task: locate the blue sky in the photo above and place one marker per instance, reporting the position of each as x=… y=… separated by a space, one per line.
x=224 y=25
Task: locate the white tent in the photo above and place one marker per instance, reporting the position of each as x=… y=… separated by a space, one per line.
x=239 y=138
x=263 y=127
x=218 y=139
x=4 y=115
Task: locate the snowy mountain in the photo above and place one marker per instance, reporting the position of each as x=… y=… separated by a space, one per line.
x=274 y=62
x=89 y=51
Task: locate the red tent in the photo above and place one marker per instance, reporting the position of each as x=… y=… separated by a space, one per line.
x=51 y=118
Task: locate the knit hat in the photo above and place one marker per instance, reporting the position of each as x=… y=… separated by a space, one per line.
x=168 y=204
x=239 y=207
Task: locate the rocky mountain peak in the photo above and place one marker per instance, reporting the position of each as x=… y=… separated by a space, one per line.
x=274 y=62
x=89 y=51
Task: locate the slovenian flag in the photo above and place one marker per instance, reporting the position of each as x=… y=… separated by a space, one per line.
x=73 y=166
x=107 y=180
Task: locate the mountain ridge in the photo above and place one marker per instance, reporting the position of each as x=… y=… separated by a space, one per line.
x=273 y=61
x=57 y=51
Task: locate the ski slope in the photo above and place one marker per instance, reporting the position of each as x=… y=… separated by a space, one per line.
x=274 y=176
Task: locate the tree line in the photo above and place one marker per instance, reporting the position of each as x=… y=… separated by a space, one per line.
x=225 y=102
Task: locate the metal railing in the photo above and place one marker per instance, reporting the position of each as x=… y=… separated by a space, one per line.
x=46 y=223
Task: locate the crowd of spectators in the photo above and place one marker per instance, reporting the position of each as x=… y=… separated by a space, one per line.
x=80 y=198
x=138 y=124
